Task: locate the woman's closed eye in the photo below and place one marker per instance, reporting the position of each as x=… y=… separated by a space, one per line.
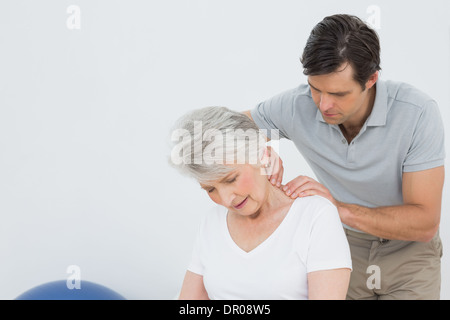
x=212 y=189
x=231 y=180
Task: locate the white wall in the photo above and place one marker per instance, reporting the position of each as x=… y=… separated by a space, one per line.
x=85 y=116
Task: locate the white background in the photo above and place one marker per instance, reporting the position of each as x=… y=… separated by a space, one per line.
x=86 y=115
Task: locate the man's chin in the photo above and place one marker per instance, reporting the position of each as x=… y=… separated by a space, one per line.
x=332 y=120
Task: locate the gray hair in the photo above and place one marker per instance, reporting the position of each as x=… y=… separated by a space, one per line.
x=212 y=139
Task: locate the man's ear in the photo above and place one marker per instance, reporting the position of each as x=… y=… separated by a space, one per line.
x=372 y=80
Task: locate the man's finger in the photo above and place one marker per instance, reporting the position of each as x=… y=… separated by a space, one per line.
x=295 y=184
x=280 y=177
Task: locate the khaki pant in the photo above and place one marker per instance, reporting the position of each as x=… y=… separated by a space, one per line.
x=394 y=269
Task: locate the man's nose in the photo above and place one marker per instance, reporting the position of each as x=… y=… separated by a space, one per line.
x=325 y=103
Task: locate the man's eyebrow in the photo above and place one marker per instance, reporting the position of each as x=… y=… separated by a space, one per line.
x=313 y=86
x=334 y=93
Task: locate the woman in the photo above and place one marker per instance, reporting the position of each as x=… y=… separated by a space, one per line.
x=258 y=243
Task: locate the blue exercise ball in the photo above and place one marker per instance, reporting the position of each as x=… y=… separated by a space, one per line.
x=59 y=290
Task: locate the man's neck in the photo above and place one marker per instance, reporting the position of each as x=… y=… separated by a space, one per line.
x=351 y=128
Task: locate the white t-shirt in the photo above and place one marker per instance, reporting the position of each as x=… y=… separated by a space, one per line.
x=310 y=238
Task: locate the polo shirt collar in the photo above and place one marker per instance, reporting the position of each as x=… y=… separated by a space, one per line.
x=379 y=112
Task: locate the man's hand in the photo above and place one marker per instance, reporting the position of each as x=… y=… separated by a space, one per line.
x=273 y=166
x=417 y=219
x=304 y=186
x=273 y=163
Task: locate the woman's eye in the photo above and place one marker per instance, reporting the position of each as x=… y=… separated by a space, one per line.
x=211 y=190
x=232 y=180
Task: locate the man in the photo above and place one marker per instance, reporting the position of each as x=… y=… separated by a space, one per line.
x=377 y=150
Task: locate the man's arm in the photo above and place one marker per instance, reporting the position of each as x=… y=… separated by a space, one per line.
x=248 y=114
x=416 y=220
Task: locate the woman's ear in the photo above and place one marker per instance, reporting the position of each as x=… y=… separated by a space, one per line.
x=265 y=158
x=265 y=161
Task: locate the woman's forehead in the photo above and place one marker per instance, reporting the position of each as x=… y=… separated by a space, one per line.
x=233 y=170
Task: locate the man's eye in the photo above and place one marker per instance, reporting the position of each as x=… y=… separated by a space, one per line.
x=211 y=190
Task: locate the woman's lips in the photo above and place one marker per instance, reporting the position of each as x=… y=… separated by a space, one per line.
x=240 y=205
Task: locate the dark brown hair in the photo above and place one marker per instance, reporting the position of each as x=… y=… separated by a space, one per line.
x=338 y=39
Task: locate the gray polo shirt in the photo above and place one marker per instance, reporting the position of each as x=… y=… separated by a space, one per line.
x=404 y=133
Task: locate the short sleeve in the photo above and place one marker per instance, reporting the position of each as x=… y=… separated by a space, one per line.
x=195 y=264
x=328 y=246
x=427 y=148
x=275 y=114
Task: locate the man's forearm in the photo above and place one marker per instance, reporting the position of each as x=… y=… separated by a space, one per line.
x=248 y=114
x=404 y=222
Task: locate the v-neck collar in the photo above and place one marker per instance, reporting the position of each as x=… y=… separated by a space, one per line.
x=260 y=246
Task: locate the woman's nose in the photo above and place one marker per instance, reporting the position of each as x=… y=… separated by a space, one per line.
x=226 y=196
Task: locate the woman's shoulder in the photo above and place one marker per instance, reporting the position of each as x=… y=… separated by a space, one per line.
x=313 y=205
x=307 y=211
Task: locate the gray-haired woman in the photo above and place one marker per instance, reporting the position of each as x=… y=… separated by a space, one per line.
x=258 y=243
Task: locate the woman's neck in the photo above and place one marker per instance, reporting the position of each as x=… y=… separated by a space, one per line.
x=275 y=201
